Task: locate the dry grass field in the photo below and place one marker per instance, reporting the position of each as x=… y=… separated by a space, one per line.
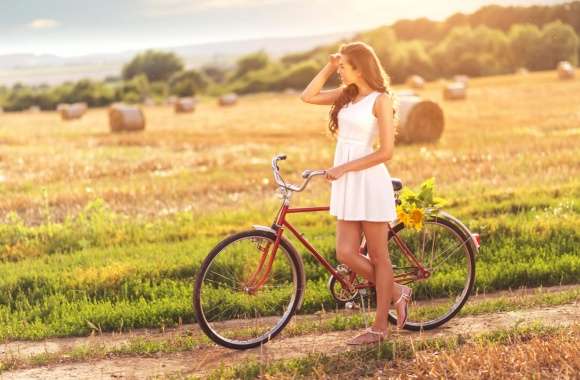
x=516 y=132
x=102 y=233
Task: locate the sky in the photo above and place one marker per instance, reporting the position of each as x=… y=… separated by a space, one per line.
x=79 y=27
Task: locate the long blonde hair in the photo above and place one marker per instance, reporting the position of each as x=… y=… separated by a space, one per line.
x=363 y=57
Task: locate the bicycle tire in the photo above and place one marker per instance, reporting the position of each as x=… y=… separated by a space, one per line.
x=470 y=251
x=298 y=277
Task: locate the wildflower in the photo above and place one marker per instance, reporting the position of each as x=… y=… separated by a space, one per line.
x=402 y=215
x=416 y=218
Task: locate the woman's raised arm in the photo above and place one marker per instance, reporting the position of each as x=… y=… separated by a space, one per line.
x=312 y=93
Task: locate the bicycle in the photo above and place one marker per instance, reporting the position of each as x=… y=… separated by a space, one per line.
x=252 y=282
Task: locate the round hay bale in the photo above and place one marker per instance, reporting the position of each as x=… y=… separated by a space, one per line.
x=72 y=111
x=522 y=71
x=291 y=91
x=149 y=102
x=84 y=107
x=462 y=79
x=34 y=109
x=123 y=117
x=228 y=99
x=455 y=91
x=171 y=100
x=565 y=70
x=185 y=105
x=419 y=120
x=416 y=82
x=406 y=92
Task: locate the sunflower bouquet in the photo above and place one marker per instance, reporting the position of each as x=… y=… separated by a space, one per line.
x=416 y=205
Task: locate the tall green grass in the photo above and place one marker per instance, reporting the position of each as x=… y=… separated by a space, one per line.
x=101 y=271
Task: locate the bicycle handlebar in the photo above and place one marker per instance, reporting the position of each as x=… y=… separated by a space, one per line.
x=307 y=175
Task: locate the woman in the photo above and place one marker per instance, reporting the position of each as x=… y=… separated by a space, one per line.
x=362 y=196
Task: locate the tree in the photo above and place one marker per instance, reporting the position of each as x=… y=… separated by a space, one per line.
x=187 y=83
x=215 y=73
x=410 y=58
x=479 y=51
x=559 y=43
x=261 y=80
x=156 y=65
x=525 y=42
x=383 y=41
x=299 y=75
x=3 y=94
x=251 y=62
x=135 y=90
x=421 y=28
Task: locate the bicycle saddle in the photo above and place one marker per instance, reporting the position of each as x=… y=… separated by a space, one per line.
x=397 y=184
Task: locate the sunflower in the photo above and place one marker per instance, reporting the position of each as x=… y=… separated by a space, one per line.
x=402 y=215
x=416 y=217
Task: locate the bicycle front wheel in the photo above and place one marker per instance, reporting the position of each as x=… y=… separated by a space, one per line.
x=243 y=295
x=447 y=253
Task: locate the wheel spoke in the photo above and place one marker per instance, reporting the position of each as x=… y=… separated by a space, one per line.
x=441 y=249
x=446 y=255
x=238 y=318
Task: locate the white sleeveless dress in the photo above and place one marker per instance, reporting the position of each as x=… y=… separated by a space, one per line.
x=364 y=194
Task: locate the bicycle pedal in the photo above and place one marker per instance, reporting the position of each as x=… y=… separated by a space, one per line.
x=351 y=306
x=343 y=269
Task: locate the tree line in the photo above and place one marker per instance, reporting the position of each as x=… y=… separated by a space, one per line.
x=464 y=49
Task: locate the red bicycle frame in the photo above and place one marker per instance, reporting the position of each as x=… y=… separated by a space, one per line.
x=281 y=223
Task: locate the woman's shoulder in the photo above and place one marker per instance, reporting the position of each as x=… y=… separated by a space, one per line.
x=382 y=99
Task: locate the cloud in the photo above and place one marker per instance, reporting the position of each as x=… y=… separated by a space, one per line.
x=43 y=23
x=173 y=7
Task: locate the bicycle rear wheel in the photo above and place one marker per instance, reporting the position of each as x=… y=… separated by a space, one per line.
x=232 y=305
x=447 y=252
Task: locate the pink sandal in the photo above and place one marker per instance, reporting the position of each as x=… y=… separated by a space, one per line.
x=402 y=306
x=381 y=337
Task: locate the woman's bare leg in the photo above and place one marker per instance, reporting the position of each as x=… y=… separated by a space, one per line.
x=377 y=240
x=348 y=239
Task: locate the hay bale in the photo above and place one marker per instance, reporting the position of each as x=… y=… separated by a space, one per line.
x=72 y=111
x=123 y=117
x=171 y=100
x=82 y=106
x=522 y=71
x=291 y=91
x=419 y=120
x=406 y=92
x=455 y=91
x=416 y=82
x=228 y=99
x=565 y=70
x=34 y=109
x=462 y=79
x=185 y=105
x=149 y=102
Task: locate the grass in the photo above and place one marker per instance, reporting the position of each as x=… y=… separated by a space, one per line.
x=186 y=341
x=150 y=284
x=557 y=345
x=106 y=231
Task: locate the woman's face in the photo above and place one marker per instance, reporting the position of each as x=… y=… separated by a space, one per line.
x=347 y=74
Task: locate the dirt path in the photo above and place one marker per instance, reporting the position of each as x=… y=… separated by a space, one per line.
x=204 y=359
x=110 y=340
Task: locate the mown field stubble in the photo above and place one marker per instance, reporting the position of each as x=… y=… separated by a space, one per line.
x=105 y=232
